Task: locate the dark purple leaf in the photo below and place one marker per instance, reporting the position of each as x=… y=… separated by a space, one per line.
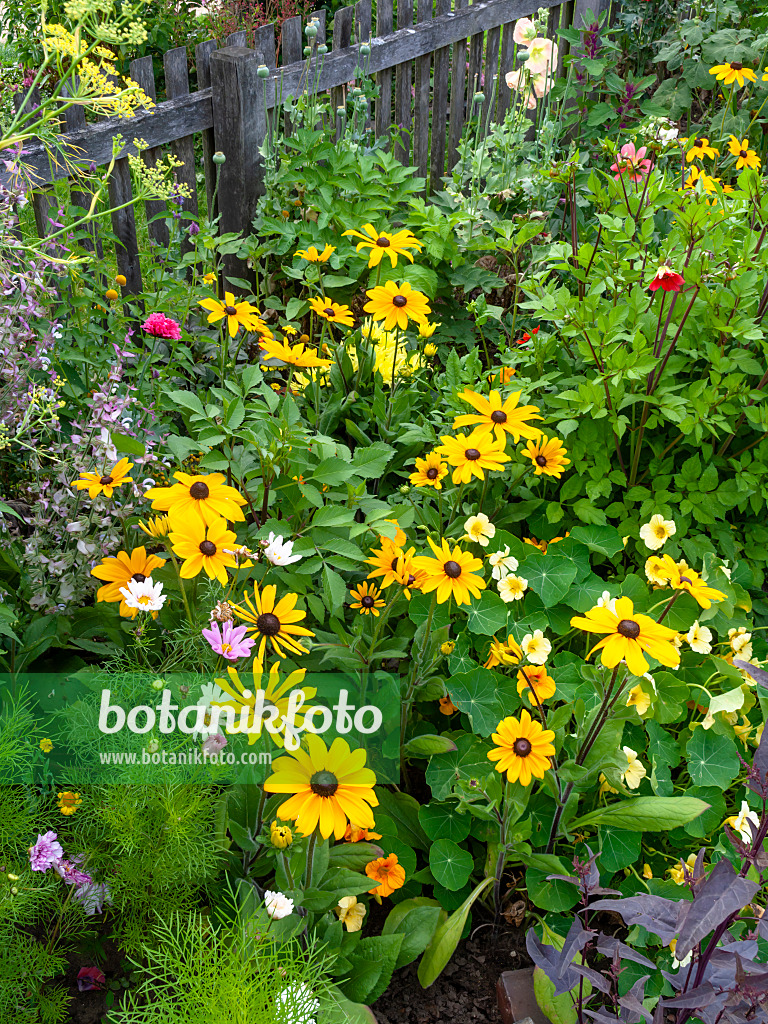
x=597 y=980
x=633 y=1010
x=575 y=941
x=695 y=999
x=552 y=962
x=608 y=945
x=659 y=916
x=564 y=878
x=722 y=894
x=601 y=1018
x=758 y=674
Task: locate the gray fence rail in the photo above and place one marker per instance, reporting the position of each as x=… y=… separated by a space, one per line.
x=426 y=56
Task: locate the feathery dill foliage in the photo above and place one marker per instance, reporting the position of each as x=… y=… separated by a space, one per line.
x=16 y=725
x=155 y=846
x=195 y=971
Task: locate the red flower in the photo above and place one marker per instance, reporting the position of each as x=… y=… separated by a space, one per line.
x=526 y=336
x=162 y=326
x=667 y=279
x=90 y=978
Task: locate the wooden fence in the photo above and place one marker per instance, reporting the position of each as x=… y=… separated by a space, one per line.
x=427 y=59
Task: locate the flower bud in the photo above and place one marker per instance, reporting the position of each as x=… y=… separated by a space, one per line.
x=218 y=157
x=447 y=647
x=311 y=30
x=322 y=48
x=262 y=71
x=365 y=49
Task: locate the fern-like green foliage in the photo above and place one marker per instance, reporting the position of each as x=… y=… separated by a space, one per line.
x=25 y=967
x=198 y=972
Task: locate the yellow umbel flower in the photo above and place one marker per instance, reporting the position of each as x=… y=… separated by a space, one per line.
x=383 y=243
x=330 y=788
x=523 y=749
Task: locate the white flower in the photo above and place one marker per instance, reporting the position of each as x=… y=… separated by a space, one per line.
x=536 y=647
x=479 y=529
x=279 y=551
x=667 y=134
x=635 y=772
x=512 y=588
x=657 y=532
x=145 y=596
x=726 y=571
x=278 y=906
x=210 y=692
x=606 y=601
x=300 y=1003
x=700 y=638
x=148 y=482
x=740 y=822
x=502 y=563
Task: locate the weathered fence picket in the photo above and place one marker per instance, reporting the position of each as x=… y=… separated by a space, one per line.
x=429 y=58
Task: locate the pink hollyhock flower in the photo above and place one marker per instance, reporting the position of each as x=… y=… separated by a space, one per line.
x=231 y=642
x=46 y=852
x=632 y=161
x=524 y=32
x=214 y=743
x=162 y=326
x=90 y=978
x=667 y=279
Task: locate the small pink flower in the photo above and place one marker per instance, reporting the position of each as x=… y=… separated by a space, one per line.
x=214 y=744
x=90 y=978
x=71 y=873
x=514 y=80
x=633 y=162
x=162 y=326
x=46 y=852
x=667 y=279
x=231 y=642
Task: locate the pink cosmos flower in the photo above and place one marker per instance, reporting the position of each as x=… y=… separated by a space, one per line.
x=632 y=162
x=71 y=873
x=667 y=279
x=524 y=32
x=162 y=326
x=46 y=852
x=90 y=978
x=231 y=641
x=214 y=743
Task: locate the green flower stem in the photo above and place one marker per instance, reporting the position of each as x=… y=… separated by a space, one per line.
x=669 y=605
x=310 y=860
x=413 y=681
x=181 y=584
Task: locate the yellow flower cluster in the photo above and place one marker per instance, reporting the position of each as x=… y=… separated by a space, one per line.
x=156 y=182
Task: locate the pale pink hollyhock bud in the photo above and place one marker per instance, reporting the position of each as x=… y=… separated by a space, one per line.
x=667 y=279
x=524 y=32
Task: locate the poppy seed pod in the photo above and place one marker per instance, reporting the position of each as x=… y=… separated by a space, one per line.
x=262 y=71
x=322 y=48
x=218 y=157
x=365 y=50
x=311 y=30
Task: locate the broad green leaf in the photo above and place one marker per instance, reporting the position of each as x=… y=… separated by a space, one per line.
x=372 y=460
x=446 y=938
x=417 y=919
x=335 y=589
x=645 y=813
x=618 y=848
x=550 y=895
x=444 y=821
x=549 y=576
x=468 y=761
x=372 y=963
x=427 y=745
x=487 y=614
x=127 y=445
x=475 y=693
x=333 y=515
x=403 y=809
x=337 y=1009
x=450 y=865
x=730 y=701
x=711 y=820
x=605 y=540
x=712 y=760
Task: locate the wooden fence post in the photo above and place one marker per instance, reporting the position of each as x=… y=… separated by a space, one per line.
x=240 y=127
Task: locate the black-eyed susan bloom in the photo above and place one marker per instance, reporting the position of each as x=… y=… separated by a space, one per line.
x=202 y=498
x=385 y=562
x=473 y=454
x=452 y=573
x=237 y=314
x=504 y=652
x=367 y=599
x=158 y=526
x=105 y=483
x=547 y=456
x=276 y=694
x=396 y=305
x=745 y=157
x=499 y=417
x=680 y=576
x=333 y=312
x=700 y=148
x=118 y=571
x=330 y=788
x=523 y=749
x=382 y=243
x=273 y=622
x=293 y=355
x=629 y=635
x=204 y=549
x=732 y=73
x=429 y=472
x=313 y=255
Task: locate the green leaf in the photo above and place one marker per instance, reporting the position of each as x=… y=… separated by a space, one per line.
x=335 y=589
x=547 y=894
x=557 y=1009
x=403 y=809
x=450 y=865
x=444 y=821
x=712 y=760
x=606 y=540
x=187 y=400
x=427 y=745
x=372 y=963
x=417 y=919
x=127 y=445
x=644 y=813
x=487 y=614
x=446 y=938
x=549 y=576
x=333 y=515
x=618 y=848
x=468 y=761
x=372 y=460
x=476 y=694
x=337 y=1009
